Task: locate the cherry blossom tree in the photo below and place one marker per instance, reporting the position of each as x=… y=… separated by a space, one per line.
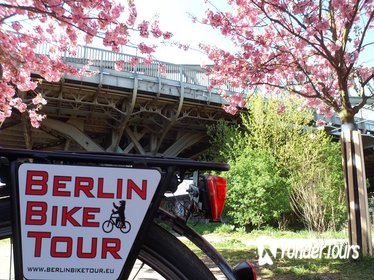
x=312 y=49
x=63 y=25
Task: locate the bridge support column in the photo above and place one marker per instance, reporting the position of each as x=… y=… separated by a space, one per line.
x=135 y=141
x=74 y=133
x=177 y=113
x=355 y=185
x=116 y=137
x=182 y=143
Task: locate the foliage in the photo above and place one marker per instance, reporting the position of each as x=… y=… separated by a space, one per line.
x=313 y=49
x=226 y=141
x=371 y=202
x=63 y=26
x=288 y=268
x=258 y=194
x=308 y=158
x=278 y=161
x=224 y=230
x=275 y=125
x=316 y=180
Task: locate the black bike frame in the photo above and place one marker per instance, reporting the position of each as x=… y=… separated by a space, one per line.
x=179 y=226
x=168 y=167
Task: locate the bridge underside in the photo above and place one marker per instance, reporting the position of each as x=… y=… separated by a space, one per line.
x=132 y=111
x=143 y=118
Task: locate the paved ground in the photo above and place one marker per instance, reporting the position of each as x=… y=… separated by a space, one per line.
x=5 y=259
x=146 y=273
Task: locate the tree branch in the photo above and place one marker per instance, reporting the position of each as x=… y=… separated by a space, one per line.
x=64 y=19
x=364 y=83
x=360 y=45
x=325 y=53
x=363 y=102
x=5 y=18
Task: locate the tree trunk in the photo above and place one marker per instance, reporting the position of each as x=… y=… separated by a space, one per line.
x=359 y=225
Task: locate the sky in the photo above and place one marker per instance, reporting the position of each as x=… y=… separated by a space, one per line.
x=173 y=15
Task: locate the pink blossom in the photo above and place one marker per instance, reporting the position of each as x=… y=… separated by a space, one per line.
x=143 y=29
x=148 y=60
x=35 y=118
x=134 y=61
x=16 y=26
x=119 y=65
x=281 y=109
x=320 y=123
x=302 y=54
x=144 y=49
x=5 y=112
x=39 y=100
x=26 y=85
x=133 y=14
x=18 y=103
x=235 y=99
x=117 y=11
x=155 y=29
x=61 y=25
x=167 y=35
x=162 y=69
x=230 y=109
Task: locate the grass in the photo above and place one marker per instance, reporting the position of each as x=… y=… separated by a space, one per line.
x=319 y=269
x=233 y=245
x=226 y=229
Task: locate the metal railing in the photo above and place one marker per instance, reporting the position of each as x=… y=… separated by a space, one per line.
x=188 y=74
x=106 y=59
x=366 y=126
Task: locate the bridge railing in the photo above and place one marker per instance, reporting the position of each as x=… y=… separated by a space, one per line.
x=367 y=126
x=188 y=74
x=106 y=59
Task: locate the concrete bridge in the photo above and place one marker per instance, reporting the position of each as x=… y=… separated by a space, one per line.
x=137 y=110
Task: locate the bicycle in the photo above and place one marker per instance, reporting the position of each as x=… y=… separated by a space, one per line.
x=112 y=222
x=52 y=204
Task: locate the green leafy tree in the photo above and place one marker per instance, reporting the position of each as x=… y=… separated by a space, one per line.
x=258 y=194
x=227 y=141
x=278 y=163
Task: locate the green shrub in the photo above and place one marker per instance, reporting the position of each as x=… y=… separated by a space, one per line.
x=278 y=161
x=257 y=194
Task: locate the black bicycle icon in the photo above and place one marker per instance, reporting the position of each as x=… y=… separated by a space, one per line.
x=113 y=221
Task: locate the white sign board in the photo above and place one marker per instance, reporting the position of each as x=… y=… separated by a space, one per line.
x=67 y=227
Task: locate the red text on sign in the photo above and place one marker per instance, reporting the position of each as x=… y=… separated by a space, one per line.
x=62 y=246
x=69 y=186
x=37 y=213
